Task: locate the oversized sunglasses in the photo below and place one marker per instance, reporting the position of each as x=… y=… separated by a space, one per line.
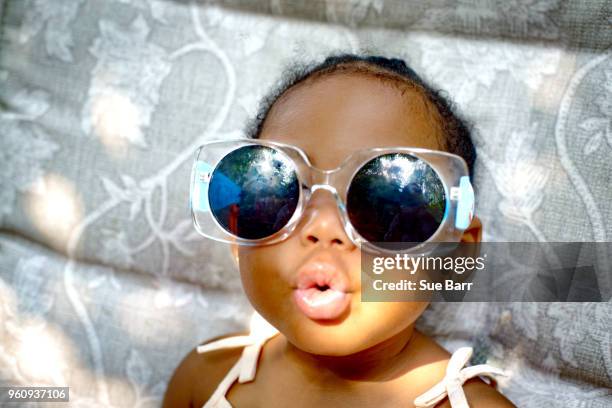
x=254 y=192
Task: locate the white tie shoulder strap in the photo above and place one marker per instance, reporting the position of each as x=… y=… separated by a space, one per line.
x=452 y=383
x=245 y=367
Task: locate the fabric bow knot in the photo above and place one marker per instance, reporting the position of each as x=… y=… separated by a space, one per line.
x=454 y=379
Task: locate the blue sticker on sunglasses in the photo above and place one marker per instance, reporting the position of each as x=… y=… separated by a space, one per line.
x=465 y=206
x=229 y=194
x=226 y=192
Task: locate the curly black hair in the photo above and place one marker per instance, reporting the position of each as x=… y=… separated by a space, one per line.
x=456 y=129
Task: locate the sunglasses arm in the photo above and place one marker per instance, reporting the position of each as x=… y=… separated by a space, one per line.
x=464 y=195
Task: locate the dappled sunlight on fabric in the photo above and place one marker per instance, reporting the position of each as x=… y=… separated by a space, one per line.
x=35 y=352
x=139 y=301
x=525 y=177
x=126 y=394
x=116 y=122
x=54 y=207
x=33 y=349
x=547 y=97
x=44 y=354
x=40 y=352
x=8 y=306
x=131 y=317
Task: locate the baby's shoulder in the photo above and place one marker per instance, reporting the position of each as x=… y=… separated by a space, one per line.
x=198 y=375
x=481 y=395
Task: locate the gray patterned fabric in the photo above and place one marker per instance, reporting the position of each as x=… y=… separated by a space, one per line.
x=104 y=284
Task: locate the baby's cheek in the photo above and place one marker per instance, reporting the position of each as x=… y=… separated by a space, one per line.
x=261 y=280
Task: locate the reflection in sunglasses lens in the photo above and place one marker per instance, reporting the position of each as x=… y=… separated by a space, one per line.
x=254 y=191
x=396 y=198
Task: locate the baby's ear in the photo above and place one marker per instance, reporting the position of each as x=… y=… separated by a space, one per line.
x=473 y=233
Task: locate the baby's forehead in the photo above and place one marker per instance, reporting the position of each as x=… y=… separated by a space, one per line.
x=334 y=116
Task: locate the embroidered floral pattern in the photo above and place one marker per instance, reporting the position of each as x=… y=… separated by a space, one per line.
x=125 y=83
x=479 y=65
x=54 y=19
x=351 y=12
x=25 y=147
x=511 y=17
x=520 y=178
x=598 y=127
x=156 y=7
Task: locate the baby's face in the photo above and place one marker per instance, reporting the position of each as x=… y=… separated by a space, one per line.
x=329 y=119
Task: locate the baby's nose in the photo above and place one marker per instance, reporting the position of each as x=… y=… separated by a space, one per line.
x=322 y=224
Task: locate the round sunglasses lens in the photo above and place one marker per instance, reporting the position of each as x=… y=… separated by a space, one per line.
x=396 y=198
x=254 y=191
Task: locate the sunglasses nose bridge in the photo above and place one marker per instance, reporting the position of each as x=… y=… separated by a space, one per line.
x=322 y=180
x=319 y=177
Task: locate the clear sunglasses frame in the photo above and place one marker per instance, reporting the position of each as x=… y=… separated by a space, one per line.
x=450 y=168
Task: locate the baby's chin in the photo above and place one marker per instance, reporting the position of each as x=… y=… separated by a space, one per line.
x=364 y=327
x=330 y=340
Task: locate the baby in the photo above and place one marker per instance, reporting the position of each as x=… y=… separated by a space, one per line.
x=324 y=346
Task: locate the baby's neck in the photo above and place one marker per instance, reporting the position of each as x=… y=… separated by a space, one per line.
x=381 y=362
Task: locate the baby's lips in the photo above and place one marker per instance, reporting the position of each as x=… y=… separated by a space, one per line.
x=321 y=273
